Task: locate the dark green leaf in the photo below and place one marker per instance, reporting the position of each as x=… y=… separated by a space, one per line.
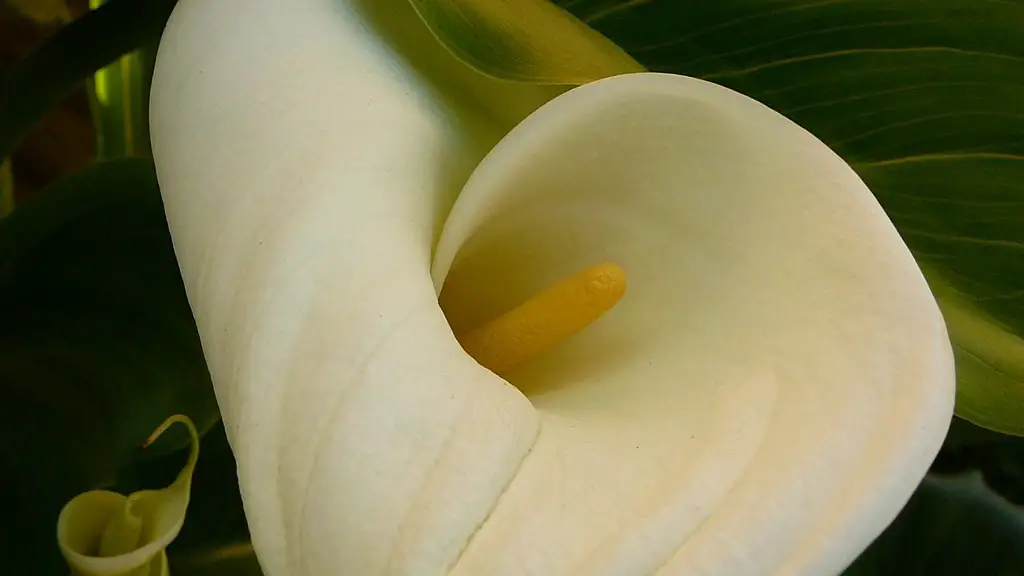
x=216 y=518
x=964 y=436
x=998 y=457
x=97 y=347
x=215 y=537
x=952 y=525
x=925 y=98
x=44 y=78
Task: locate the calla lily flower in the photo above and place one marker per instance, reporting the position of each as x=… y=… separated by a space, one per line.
x=458 y=325
x=103 y=533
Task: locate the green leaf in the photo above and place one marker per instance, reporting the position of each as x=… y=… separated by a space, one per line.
x=37 y=83
x=97 y=347
x=989 y=360
x=955 y=526
x=119 y=99
x=523 y=40
x=103 y=533
x=925 y=99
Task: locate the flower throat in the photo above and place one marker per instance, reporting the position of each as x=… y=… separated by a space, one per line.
x=548 y=318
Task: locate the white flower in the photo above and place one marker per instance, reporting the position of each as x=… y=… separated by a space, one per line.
x=103 y=533
x=763 y=400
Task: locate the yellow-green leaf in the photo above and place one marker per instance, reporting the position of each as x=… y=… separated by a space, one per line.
x=989 y=358
x=524 y=40
x=102 y=533
x=119 y=99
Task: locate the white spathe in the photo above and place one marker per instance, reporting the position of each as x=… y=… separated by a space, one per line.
x=764 y=399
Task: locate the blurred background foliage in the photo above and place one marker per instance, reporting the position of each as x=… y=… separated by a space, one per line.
x=98 y=346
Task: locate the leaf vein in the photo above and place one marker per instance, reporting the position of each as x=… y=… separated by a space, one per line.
x=860 y=51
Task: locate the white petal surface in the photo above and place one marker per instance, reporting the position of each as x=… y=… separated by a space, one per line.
x=777 y=378
x=763 y=400
x=306 y=167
